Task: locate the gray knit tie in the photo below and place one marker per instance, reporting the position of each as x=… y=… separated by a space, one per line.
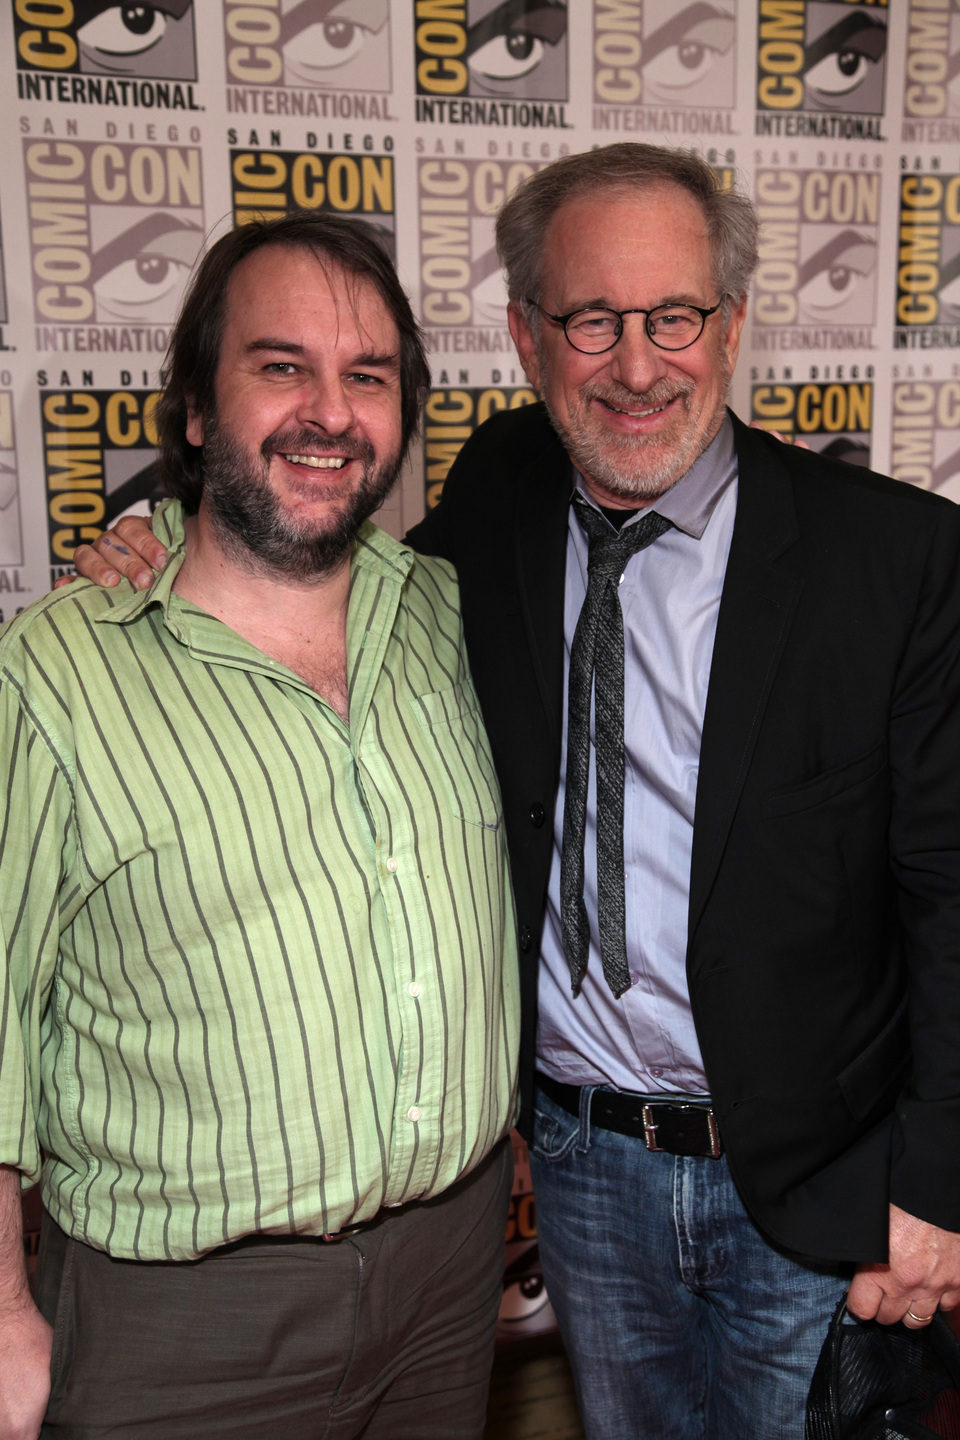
x=598 y=647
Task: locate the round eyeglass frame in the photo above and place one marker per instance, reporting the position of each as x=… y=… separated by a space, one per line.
x=564 y=320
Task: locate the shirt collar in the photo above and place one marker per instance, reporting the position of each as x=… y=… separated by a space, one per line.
x=374 y=549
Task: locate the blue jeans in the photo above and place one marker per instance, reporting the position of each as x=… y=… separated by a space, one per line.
x=680 y=1320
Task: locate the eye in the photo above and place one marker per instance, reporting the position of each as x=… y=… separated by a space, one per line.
x=507 y=57
x=140 y=274
x=840 y=73
x=843 y=58
x=146 y=281
x=329 y=43
x=839 y=276
x=124 y=30
x=683 y=52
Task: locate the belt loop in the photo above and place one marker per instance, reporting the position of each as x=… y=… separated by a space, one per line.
x=586 y=1099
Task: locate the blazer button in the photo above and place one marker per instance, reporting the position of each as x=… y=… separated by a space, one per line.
x=537 y=814
x=526 y=939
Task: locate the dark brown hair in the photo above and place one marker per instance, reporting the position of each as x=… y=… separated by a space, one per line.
x=190 y=367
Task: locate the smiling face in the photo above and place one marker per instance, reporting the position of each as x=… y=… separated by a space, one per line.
x=634 y=419
x=305 y=440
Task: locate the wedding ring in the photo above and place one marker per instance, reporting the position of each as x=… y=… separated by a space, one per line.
x=920 y=1319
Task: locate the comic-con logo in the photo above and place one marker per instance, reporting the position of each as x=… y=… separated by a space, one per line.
x=818 y=256
x=11 y=538
x=659 y=52
x=824 y=58
x=928 y=262
x=318 y=44
x=460 y=278
x=99 y=37
x=498 y=49
x=268 y=183
x=99 y=450
x=925 y=435
x=114 y=230
x=834 y=417
x=451 y=417
x=933 y=60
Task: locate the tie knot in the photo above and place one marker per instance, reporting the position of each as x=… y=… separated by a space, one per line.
x=611 y=549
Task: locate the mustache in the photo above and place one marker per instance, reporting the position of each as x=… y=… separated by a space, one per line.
x=307 y=442
x=623 y=398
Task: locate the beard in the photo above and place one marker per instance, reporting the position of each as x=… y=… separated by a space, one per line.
x=637 y=467
x=250 y=521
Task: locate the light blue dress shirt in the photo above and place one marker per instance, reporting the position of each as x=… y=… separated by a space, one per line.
x=670 y=595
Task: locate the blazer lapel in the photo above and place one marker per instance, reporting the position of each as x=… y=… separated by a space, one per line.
x=760 y=593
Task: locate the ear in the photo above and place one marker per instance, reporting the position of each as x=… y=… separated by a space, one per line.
x=524 y=340
x=731 y=340
x=194 y=424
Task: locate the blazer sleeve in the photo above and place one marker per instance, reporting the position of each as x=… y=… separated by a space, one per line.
x=924 y=847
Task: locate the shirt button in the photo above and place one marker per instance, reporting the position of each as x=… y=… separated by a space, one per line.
x=526 y=939
x=392 y=865
x=656 y=1070
x=413 y=989
x=634 y=977
x=414 y=1113
x=537 y=814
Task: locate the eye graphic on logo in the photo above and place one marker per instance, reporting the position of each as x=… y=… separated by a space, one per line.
x=842 y=66
x=140 y=274
x=124 y=30
x=507 y=57
x=512 y=42
x=949 y=291
x=836 y=281
x=681 y=54
x=344 y=43
x=489 y=291
x=944 y=472
x=135 y=39
x=844 y=447
x=8 y=484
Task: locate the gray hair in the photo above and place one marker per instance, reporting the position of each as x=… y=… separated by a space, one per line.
x=731 y=219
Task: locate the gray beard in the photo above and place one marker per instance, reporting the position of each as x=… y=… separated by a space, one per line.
x=632 y=467
x=250 y=523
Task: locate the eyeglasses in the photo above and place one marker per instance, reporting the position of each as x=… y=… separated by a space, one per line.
x=594 y=330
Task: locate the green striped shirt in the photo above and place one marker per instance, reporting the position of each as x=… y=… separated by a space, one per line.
x=260 y=966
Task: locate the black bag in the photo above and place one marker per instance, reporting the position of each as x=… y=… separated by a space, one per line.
x=885 y=1382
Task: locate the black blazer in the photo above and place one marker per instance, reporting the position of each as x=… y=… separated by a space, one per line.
x=824 y=929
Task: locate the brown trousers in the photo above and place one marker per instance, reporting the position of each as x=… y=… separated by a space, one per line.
x=386 y=1334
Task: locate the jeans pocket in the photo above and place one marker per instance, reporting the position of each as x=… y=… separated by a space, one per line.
x=555 y=1132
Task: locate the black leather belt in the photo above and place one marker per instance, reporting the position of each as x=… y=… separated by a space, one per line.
x=678 y=1127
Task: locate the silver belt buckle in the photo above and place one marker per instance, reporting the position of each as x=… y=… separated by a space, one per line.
x=650 y=1127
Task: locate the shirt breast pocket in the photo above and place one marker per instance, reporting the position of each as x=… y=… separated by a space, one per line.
x=456 y=751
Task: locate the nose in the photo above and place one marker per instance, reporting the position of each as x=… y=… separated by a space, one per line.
x=635 y=361
x=325 y=403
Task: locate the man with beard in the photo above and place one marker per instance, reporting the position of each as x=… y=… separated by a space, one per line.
x=738 y=870
x=259 y=992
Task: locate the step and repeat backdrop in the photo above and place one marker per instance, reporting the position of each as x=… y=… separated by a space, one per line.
x=133 y=134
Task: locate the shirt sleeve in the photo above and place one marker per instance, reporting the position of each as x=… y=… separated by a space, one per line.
x=36 y=811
